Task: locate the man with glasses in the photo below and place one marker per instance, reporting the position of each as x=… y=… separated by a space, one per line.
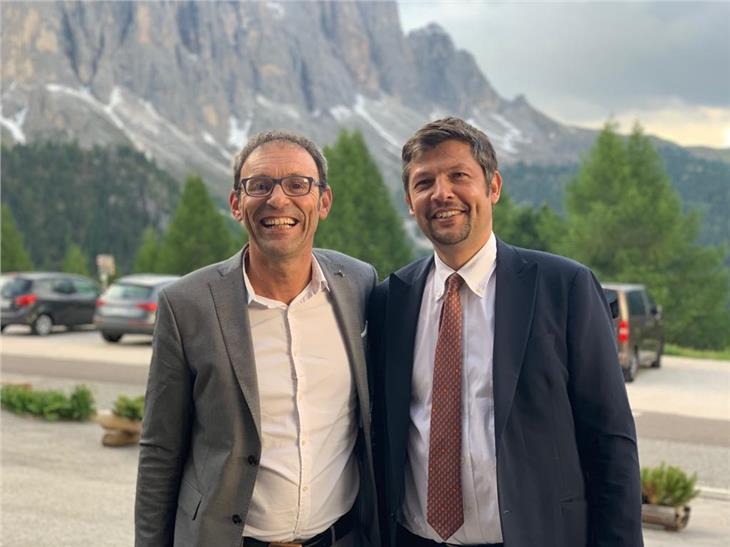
x=257 y=417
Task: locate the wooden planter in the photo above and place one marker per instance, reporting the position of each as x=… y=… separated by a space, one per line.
x=118 y=431
x=671 y=518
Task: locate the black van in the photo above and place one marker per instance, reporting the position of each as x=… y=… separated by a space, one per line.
x=639 y=328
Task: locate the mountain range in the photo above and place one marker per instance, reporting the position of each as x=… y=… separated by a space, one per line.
x=187 y=83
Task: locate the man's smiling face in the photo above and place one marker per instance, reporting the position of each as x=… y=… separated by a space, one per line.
x=280 y=227
x=451 y=199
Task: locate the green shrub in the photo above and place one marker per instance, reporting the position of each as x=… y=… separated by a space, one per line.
x=667 y=485
x=52 y=404
x=129 y=407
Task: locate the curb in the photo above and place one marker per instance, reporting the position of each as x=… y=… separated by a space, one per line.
x=708 y=492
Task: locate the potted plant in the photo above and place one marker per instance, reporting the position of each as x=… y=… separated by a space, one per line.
x=666 y=490
x=123 y=423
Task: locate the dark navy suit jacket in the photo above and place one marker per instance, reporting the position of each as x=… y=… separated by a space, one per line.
x=567 y=464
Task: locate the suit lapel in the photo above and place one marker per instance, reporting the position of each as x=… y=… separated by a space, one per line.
x=345 y=299
x=514 y=307
x=404 y=304
x=230 y=301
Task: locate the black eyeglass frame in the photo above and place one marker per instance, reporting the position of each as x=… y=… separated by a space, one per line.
x=279 y=181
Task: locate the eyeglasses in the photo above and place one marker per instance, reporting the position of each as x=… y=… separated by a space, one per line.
x=293 y=185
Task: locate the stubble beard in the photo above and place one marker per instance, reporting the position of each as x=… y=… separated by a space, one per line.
x=450 y=237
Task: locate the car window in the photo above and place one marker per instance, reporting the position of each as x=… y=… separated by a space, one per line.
x=128 y=291
x=650 y=300
x=636 y=303
x=15 y=287
x=85 y=288
x=63 y=286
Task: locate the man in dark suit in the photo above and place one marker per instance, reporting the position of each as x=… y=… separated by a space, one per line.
x=500 y=413
x=257 y=411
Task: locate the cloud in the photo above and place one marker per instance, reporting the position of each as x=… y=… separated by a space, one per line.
x=581 y=60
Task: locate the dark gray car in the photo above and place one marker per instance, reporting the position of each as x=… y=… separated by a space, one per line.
x=640 y=330
x=44 y=299
x=129 y=305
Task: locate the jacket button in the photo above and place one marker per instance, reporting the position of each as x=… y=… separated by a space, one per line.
x=236 y=519
x=253 y=460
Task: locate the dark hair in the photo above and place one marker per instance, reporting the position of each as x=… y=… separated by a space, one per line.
x=434 y=133
x=266 y=137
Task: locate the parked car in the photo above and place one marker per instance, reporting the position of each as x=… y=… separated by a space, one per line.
x=639 y=327
x=129 y=305
x=44 y=299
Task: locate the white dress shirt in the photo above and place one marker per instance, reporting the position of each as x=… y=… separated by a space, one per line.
x=478 y=464
x=308 y=476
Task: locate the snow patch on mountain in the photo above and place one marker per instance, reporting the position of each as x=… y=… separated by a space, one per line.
x=362 y=111
x=14 y=124
x=237 y=135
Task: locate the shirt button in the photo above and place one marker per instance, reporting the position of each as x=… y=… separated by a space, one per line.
x=253 y=460
x=236 y=519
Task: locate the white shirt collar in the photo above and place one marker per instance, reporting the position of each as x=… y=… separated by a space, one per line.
x=475 y=273
x=317 y=283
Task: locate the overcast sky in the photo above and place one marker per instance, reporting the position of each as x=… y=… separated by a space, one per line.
x=664 y=63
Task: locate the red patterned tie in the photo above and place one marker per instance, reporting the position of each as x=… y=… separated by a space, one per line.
x=445 y=505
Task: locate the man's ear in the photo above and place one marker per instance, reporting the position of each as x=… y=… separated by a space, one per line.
x=233 y=200
x=495 y=187
x=325 y=202
x=407 y=198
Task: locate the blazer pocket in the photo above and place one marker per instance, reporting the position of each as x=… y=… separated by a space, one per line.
x=574 y=514
x=189 y=499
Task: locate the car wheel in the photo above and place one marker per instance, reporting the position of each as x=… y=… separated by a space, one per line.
x=109 y=337
x=658 y=360
x=630 y=372
x=42 y=325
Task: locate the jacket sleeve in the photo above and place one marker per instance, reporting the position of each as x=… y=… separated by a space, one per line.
x=376 y=373
x=604 y=424
x=165 y=438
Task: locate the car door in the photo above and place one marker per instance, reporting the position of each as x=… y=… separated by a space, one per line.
x=637 y=322
x=56 y=297
x=86 y=293
x=652 y=329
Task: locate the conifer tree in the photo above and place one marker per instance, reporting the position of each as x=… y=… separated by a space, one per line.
x=197 y=234
x=363 y=222
x=538 y=228
x=14 y=256
x=147 y=258
x=626 y=222
x=74 y=260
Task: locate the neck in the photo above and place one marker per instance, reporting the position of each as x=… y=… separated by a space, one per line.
x=281 y=279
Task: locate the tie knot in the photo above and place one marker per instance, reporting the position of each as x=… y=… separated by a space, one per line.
x=454 y=283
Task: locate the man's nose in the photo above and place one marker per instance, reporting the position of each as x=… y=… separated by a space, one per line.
x=277 y=198
x=442 y=188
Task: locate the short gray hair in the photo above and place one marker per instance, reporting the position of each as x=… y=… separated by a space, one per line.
x=434 y=133
x=265 y=137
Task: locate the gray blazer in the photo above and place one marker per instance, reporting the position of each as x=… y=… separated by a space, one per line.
x=201 y=434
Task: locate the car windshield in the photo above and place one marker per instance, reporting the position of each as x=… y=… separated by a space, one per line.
x=14 y=286
x=611 y=295
x=128 y=291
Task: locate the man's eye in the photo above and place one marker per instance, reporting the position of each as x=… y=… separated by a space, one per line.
x=258 y=184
